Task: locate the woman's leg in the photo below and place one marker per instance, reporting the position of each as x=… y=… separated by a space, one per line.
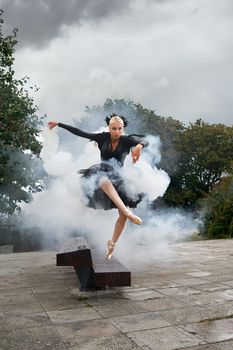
x=119 y=226
x=111 y=192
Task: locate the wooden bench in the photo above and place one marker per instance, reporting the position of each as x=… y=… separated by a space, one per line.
x=93 y=271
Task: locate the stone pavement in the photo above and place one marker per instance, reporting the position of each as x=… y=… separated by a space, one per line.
x=182 y=302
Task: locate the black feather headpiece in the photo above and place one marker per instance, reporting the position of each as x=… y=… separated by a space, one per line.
x=125 y=121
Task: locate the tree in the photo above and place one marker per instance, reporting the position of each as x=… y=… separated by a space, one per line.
x=218 y=211
x=19 y=129
x=205 y=156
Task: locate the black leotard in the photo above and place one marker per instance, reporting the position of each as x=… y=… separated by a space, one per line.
x=103 y=141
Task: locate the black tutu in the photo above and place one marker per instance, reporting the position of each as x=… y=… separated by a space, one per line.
x=96 y=198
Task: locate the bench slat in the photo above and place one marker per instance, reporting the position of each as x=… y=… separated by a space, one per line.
x=74 y=252
x=110 y=272
x=74 y=244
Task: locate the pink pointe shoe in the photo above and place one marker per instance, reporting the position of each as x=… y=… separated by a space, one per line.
x=133 y=218
x=110 y=248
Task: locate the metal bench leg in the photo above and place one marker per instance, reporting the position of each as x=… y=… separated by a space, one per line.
x=86 y=277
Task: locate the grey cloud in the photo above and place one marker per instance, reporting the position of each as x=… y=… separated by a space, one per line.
x=40 y=21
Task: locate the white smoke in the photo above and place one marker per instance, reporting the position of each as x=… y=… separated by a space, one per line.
x=60 y=210
x=143 y=177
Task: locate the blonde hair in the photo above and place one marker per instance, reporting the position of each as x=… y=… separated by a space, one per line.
x=116 y=118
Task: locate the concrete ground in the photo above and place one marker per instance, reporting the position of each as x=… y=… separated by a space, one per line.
x=183 y=302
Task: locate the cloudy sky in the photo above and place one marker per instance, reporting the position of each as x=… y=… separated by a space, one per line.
x=172 y=56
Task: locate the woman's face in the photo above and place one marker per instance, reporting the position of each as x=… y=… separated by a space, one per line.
x=116 y=130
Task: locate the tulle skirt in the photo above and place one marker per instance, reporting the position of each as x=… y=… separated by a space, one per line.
x=91 y=181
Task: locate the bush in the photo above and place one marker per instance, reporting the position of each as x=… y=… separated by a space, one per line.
x=218 y=211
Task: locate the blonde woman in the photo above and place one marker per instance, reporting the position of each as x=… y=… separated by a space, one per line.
x=110 y=189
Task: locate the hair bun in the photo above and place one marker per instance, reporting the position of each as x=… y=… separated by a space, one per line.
x=125 y=121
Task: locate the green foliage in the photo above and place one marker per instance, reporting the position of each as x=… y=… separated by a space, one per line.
x=205 y=155
x=218 y=211
x=19 y=145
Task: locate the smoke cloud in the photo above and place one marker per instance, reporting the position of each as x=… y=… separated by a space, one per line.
x=60 y=210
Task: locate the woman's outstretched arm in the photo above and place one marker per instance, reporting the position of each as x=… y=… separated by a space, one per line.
x=75 y=131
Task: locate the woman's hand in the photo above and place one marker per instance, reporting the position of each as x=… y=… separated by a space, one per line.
x=136 y=152
x=51 y=125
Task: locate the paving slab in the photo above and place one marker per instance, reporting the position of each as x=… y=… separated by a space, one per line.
x=212 y=331
x=198 y=273
x=86 y=330
x=211 y=287
x=22 y=308
x=221 y=277
x=153 y=283
x=228 y=283
x=197 y=313
x=176 y=291
x=17 y=320
x=206 y=298
x=228 y=345
x=119 y=308
x=189 y=281
x=118 y=342
x=73 y=315
x=37 y=338
x=139 y=322
x=168 y=338
x=203 y=347
x=141 y=294
x=179 y=300
x=59 y=300
x=15 y=298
